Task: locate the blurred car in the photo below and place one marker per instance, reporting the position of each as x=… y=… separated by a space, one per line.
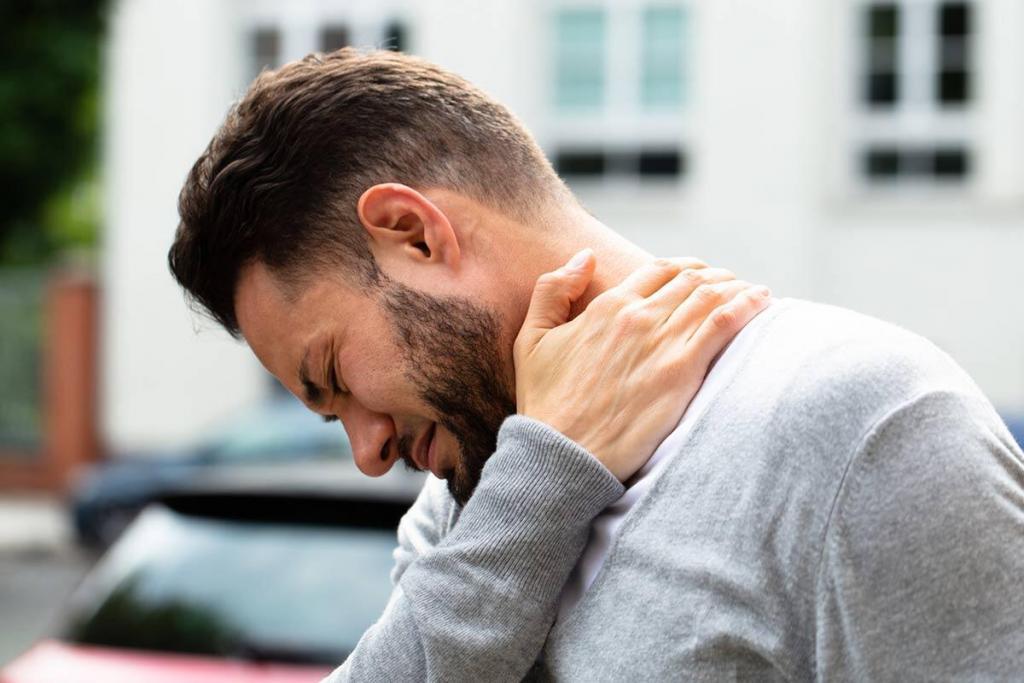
x=279 y=433
x=251 y=582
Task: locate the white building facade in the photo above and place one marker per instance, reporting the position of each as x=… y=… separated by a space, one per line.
x=864 y=153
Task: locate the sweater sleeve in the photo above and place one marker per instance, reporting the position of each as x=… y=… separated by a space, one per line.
x=424 y=525
x=479 y=603
x=920 y=575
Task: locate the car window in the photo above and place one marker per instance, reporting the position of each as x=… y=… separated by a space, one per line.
x=280 y=430
x=227 y=588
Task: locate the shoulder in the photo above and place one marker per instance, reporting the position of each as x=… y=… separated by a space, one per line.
x=928 y=528
x=942 y=451
x=832 y=363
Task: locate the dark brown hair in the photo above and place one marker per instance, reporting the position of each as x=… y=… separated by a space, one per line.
x=280 y=180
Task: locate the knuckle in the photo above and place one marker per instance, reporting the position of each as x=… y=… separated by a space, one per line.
x=611 y=300
x=724 y=318
x=629 y=318
x=664 y=264
x=706 y=293
x=693 y=275
x=633 y=317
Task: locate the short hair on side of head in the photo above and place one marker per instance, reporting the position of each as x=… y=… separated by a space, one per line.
x=280 y=180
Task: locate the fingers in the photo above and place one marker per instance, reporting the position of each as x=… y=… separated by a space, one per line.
x=705 y=301
x=677 y=290
x=554 y=294
x=724 y=322
x=648 y=279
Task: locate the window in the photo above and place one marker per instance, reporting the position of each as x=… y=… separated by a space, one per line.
x=664 y=163
x=579 y=66
x=881 y=80
x=620 y=84
x=661 y=82
x=595 y=162
x=264 y=49
x=394 y=37
x=275 y=32
x=891 y=163
x=916 y=88
x=580 y=163
x=953 y=73
x=333 y=37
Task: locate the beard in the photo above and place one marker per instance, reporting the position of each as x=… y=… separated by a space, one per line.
x=452 y=355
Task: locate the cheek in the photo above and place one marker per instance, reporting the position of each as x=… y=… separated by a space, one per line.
x=378 y=380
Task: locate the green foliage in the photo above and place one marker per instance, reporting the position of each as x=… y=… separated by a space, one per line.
x=21 y=295
x=49 y=124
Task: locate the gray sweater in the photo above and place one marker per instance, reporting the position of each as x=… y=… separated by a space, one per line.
x=849 y=507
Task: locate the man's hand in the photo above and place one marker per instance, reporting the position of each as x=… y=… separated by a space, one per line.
x=618 y=377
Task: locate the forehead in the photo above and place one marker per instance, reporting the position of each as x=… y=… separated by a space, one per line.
x=280 y=328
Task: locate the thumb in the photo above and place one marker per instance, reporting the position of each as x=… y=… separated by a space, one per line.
x=555 y=292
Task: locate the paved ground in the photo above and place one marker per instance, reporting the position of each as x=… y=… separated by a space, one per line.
x=39 y=567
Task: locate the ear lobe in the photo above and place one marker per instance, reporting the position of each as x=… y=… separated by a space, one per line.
x=400 y=220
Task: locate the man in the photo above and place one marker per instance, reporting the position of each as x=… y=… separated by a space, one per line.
x=839 y=501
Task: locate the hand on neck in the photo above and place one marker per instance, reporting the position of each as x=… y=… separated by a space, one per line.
x=616 y=257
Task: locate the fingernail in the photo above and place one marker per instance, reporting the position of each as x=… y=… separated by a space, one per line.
x=578 y=261
x=763 y=291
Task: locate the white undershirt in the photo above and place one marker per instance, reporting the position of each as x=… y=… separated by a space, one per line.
x=606 y=525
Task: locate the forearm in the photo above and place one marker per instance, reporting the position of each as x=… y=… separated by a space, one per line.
x=479 y=604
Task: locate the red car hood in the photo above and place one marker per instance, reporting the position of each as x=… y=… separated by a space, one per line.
x=52 y=661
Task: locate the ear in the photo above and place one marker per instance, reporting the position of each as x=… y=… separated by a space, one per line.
x=403 y=223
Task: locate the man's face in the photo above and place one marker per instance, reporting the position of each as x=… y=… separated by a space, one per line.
x=418 y=377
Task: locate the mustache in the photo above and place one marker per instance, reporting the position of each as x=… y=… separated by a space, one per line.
x=404 y=448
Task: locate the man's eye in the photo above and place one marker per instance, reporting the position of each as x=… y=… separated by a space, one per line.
x=334 y=381
x=329 y=418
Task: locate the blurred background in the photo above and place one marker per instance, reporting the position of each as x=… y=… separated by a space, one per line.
x=865 y=153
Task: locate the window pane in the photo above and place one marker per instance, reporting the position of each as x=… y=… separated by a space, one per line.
x=954 y=87
x=953 y=78
x=580 y=162
x=264 y=49
x=955 y=19
x=951 y=163
x=885 y=164
x=883 y=88
x=394 y=37
x=881 y=84
x=883 y=21
x=580 y=58
x=663 y=43
x=663 y=163
x=882 y=163
x=333 y=38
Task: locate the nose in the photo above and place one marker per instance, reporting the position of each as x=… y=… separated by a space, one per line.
x=372 y=436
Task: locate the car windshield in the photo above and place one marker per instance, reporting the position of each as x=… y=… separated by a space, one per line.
x=282 y=428
x=254 y=590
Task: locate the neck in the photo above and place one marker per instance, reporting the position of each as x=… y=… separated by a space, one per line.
x=616 y=257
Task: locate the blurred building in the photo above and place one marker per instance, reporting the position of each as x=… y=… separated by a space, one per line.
x=858 y=152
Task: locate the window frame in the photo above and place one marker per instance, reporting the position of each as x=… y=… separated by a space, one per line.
x=917 y=123
x=623 y=126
